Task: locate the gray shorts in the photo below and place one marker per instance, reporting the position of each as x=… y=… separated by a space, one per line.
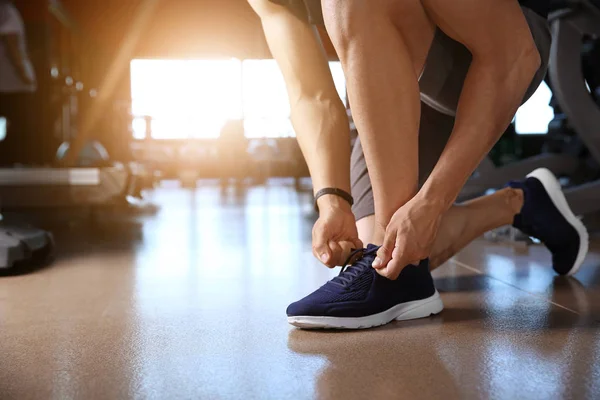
x=441 y=84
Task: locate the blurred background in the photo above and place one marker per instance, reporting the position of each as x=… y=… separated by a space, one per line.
x=137 y=101
x=180 y=226
x=133 y=104
x=169 y=88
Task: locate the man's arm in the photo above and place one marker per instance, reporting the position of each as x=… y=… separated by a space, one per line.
x=11 y=41
x=505 y=59
x=318 y=115
x=320 y=121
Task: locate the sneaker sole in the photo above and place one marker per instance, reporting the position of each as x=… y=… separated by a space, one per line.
x=401 y=312
x=554 y=190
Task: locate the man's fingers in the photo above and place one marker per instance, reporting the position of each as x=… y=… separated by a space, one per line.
x=397 y=264
x=384 y=254
x=337 y=254
x=357 y=244
x=320 y=246
x=395 y=267
x=347 y=248
x=322 y=254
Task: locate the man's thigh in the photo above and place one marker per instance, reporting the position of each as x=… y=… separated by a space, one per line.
x=448 y=63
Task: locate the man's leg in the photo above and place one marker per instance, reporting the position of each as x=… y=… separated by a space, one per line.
x=320 y=121
x=382 y=68
x=462 y=223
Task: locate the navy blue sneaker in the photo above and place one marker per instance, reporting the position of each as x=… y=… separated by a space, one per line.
x=546 y=216
x=361 y=298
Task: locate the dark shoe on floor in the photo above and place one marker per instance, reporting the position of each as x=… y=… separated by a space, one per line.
x=361 y=298
x=546 y=216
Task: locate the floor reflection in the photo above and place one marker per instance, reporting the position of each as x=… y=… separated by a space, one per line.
x=481 y=346
x=531 y=272
x=190 y=303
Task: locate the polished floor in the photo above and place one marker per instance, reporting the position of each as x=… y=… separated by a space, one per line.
x=190 y=304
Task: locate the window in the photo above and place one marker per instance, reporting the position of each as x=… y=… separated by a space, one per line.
x=534 y=116
x=3 y=128
x=194 y=98
x=185 y=98
x=266 y=105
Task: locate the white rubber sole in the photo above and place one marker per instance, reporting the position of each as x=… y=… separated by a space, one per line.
x=552 y=186
x=402 y=312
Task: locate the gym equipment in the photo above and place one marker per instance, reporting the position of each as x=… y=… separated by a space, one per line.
x=12 y=250
x=21 y=243
x=569 y=27
x=24 y=244
x=22 y=188
x=48 y=188
x=96 y=182
x=93 y=154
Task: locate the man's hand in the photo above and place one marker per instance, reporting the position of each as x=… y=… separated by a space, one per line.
x=334 y=233
x=409 y=236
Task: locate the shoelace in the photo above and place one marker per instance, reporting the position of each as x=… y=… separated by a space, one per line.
x=351 y=271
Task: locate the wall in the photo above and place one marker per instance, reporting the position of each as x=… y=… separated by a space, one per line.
x=179 y=28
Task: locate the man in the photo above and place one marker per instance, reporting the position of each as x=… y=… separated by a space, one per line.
x=17 y=83
x=474 y=60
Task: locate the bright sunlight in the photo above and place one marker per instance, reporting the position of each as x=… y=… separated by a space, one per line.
x=192 y=99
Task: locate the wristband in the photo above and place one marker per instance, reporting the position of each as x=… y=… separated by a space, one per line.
x=336 y=192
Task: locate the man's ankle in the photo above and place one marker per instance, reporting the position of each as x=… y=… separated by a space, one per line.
x=515 y=198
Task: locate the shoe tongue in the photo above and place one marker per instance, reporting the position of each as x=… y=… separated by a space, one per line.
x=371 y=247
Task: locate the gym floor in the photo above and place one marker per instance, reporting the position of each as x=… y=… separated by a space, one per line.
x=190 y=303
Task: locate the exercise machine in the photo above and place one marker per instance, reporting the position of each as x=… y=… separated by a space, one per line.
x=571 y=22
x=22 y=243
x=23 y=189
x=56 y=192
x=570 y=25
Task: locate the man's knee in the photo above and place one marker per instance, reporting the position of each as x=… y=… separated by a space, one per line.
x=345 y=19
